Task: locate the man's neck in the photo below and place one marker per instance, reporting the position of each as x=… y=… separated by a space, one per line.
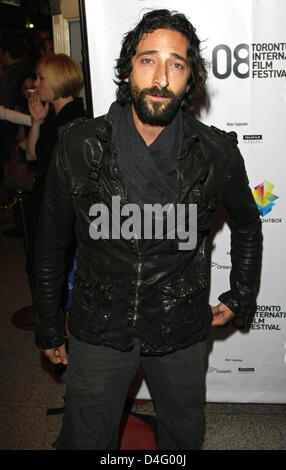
x=148 y=133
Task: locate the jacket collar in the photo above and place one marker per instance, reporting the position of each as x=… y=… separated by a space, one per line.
x=196 y=160
x=192 y=148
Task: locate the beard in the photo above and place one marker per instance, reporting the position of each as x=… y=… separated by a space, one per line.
x=156 y=113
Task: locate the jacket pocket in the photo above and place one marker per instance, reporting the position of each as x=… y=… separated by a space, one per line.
x=94 y=300
x=206 y=200
x=207 y=203
x=184 y=309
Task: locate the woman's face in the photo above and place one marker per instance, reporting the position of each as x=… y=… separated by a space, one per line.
x=43 y=85
x=27 y=85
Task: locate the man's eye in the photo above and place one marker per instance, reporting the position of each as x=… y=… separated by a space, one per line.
x=146 y=61
x=178 y=66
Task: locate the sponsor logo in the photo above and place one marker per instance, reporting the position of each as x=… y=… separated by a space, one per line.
x=220 y=266
x=264 y=197
x=247 y=370
x=219 y=371
x=253 y=139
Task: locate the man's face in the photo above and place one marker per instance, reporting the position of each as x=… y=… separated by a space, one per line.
x=159 y=76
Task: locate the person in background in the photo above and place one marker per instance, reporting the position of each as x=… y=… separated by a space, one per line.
x=15 y=64
x=53 y=103
x=36 y=47
x=26 y=85
x=19 y=173
x=140 y=299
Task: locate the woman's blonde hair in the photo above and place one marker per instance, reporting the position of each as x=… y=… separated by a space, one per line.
x=64 y=75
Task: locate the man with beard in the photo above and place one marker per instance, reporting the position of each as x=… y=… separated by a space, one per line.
x=142 y=301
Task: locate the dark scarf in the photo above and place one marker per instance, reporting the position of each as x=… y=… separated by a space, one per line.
x=147 y=172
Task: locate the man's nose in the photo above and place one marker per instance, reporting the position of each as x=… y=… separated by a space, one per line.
x=161 y=76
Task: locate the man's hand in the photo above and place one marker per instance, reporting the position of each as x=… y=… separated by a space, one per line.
x=57 y=355
x=221 y=314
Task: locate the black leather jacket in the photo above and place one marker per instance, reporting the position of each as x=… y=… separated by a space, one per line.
x=121 y=292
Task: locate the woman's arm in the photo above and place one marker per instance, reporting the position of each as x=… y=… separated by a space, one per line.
x=32 y=139
x=15 y=116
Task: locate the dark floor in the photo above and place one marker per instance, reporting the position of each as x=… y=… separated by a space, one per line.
x=29 y=386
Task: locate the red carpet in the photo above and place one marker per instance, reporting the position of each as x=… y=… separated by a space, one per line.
x=137 y=434
x=136 y=431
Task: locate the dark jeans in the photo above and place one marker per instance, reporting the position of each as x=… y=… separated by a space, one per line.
x=98 y=379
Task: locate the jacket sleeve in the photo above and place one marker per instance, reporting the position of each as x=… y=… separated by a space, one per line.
x=54 y=231
x=246 y=241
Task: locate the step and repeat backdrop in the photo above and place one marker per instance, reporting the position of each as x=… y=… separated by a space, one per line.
x=244 y=43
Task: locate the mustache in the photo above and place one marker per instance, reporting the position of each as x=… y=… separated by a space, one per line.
x=156 y=91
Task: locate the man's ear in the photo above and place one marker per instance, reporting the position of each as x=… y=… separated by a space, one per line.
x=126 y=79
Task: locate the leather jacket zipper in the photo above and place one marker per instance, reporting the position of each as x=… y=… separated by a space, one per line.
x=119 y=188
x=137 y=288
x=136 y=315
x=179 y=181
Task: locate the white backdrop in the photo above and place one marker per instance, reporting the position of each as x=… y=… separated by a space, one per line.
x=244 y=42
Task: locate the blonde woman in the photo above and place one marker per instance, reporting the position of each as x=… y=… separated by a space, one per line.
x=52 y=104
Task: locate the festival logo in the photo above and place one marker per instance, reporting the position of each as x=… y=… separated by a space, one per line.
x=264 y=197
x=256 y=60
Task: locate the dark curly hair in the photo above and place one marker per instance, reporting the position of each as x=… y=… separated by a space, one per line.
x=151 y=21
